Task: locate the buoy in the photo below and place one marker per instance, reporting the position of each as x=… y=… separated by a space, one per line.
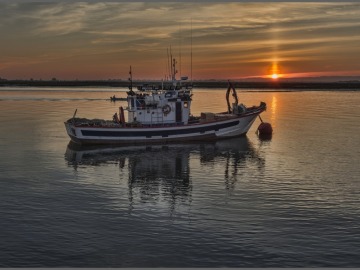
x=264 y=128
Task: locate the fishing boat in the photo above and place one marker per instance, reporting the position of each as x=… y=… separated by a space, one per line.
x=163 y=115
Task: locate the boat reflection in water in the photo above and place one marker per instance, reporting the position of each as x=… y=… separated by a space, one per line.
x=164 y=171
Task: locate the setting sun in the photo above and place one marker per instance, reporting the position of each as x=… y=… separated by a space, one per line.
x=274 y=71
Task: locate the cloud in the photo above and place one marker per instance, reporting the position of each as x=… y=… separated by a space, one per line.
x=222 y=33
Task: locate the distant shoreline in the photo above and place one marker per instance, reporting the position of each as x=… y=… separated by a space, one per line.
x=351 y=85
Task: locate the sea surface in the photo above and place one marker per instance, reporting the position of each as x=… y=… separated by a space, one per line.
x=289 y=201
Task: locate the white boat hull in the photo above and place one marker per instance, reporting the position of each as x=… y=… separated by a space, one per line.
x=227 y=128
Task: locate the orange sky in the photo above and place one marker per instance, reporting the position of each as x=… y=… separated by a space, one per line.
x=99 y=40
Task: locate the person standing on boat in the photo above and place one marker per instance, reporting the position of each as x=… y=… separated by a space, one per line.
x=116 y=118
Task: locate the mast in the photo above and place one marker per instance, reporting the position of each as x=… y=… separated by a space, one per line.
x=168 y=62
x=130 y=79
x=174 y=69
x=171 y=64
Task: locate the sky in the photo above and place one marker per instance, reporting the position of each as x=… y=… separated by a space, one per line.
x=211 y=40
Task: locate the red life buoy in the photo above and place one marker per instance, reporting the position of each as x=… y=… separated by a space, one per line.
x=265 y=129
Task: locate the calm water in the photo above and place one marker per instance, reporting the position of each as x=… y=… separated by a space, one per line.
x=290 y=201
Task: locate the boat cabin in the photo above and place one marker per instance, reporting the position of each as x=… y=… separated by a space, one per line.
x=159 y=107
x=168 y=104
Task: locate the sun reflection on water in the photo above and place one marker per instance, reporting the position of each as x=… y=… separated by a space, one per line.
x=273 y=110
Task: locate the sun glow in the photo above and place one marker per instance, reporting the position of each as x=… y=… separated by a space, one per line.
x=274 y=71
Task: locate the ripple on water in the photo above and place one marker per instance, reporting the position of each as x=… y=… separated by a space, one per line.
x=289 y=201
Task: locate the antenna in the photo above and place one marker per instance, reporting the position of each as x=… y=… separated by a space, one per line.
x=180 y=46
x=191 y=53
x=171 y=67
x=168 y=62
x=130 y=79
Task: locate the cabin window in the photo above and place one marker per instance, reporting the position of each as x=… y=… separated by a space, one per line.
x=186 y=104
